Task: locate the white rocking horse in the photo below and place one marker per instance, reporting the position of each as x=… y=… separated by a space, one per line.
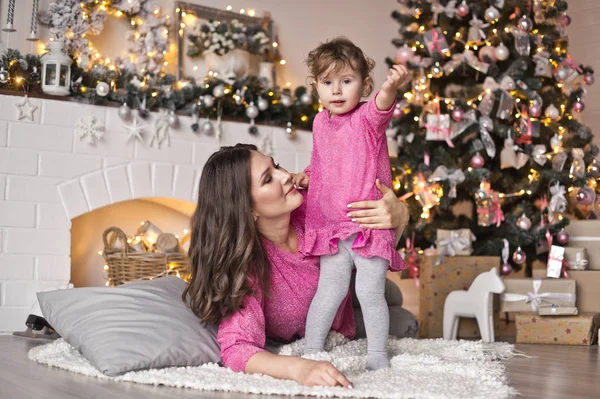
x=477 y=303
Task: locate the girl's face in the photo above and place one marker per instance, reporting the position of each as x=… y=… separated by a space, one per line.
x=272 y=189
x=340 y=91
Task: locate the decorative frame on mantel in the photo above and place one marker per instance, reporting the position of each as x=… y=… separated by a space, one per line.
x=209 y=13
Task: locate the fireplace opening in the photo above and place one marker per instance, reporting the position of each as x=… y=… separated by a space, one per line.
x=166 y=215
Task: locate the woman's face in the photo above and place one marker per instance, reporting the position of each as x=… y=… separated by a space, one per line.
x=272 y=189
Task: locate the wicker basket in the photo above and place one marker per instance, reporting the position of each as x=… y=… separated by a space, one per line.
x=125 y=266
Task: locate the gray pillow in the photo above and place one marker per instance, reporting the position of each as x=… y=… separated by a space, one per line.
x=135 y=326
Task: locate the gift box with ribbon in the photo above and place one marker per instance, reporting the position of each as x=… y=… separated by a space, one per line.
x=528 y=295
x=561 y=330
x=576 y=258
x=454 y=242
x=438 y=281
x=586 y=234
x=436 y=42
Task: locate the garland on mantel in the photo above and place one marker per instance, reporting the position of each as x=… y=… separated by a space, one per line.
x=243 y=101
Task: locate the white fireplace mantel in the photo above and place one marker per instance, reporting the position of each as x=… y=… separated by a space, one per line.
x=48 y=176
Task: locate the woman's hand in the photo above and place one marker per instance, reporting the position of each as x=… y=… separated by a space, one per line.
x=318 y=373
x=385 y=213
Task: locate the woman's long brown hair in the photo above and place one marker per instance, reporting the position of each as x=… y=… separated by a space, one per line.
x=226 y=255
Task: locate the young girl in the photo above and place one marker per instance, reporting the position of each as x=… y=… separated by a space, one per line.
x=349 y=154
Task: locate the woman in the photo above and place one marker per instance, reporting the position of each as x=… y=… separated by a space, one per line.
x=246 y=272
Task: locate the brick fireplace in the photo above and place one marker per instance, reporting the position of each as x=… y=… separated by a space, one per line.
x=48 y=176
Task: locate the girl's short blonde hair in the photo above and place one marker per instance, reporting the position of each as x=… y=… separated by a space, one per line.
x=340 y=52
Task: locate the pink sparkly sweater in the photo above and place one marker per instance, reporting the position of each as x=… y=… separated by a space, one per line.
x=349 y=153
x=282 y=316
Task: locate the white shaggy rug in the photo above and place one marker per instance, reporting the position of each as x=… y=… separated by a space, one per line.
x=427 y=368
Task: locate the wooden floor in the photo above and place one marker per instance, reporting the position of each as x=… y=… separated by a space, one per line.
x=553 y=371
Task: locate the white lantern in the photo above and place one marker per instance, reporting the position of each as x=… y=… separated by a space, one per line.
x=56 y=70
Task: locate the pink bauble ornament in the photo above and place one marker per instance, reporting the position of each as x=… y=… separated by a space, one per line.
x=502 y=52
x=565 y=20
x=578 y=106
x=586 y=196
x=589 y=79
x=488 y=52
x=477 y=161
x=398 y=113
x=506 y=269
x=404 y=54
x=462 y=9
x=535 y=110
x=458 y=114
x=562 y=237
x=519 y=256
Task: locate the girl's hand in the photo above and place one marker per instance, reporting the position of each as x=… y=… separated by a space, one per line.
x=397 y=76
x=386 y=213
x=300 y=180
x=318 y=373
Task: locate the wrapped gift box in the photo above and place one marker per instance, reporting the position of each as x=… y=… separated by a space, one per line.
x=561 y=330
x=528 y=294
x=588 y=289
x=436 y=282
x=460 y=240
x=586 y=234
x=576 y=257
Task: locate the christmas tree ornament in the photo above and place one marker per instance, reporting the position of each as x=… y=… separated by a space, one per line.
x=519 y=256
x=593 y=169
x=562 y=237
x=578 y=106
x=562 y=74
x=437 y=71
x=558 y=201
x=589 y=79
x=525 y=23
x=543 y=67
x=453 y=176
x=502 y=52
x=438 y=128
x=88 y=129
x=552 y=112
x=511 y=157
x=102 y=89
x=252 y=110
x=491 y=14
x=290 y=131
x=523 y=222
x=586 y=196
x=487 y=54
x=565 y=20
x=4 y=76
x=262 y=104
x=239 y=96
x=556 y=143
x=398 y=111
x=435 y=42
x=286 y=100
x=207 y=128
x=219 y=91
x=486 y=125
x=173 y=120
x=135 y=130
x=208 y=101
x=124 y=112
x=539 y=154
x=506 y=269
x=535 y=110
x=476 y=32
x=26 y=109
x=522 y=42
x=484 y=201
x=559 y=160
x=477 y=161
x=404 y=54
x=458 y=114
x=578 y=166
x=306 y=99
x=462 y=9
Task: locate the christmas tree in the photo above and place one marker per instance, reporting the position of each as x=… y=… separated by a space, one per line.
x=486 y=136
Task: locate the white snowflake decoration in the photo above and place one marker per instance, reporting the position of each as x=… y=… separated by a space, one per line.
x=135 y=130
x=89 y=130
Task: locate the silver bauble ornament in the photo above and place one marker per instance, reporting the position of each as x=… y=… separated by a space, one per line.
x=502 y=52
x=208 y=100
x=491 y=14
x=219 y=91
x=4 y=76
x=586 y=196
x=593 y=169
x=173 y=120
x=555 y=143
x=252 y=110
x=290 y=131
x=124 y=112
x=525 y=23
x=519 y=256
x=562 y=74
x=208 y=128
x=286 y=100
x=262 y=104
x=239 y=97
x=524 y=223
x=102 y=89
x=404 y=55
x=552 y=112
x=306 y=99
x=437 y=71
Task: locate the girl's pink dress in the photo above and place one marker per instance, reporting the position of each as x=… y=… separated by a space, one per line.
x=349 y=153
